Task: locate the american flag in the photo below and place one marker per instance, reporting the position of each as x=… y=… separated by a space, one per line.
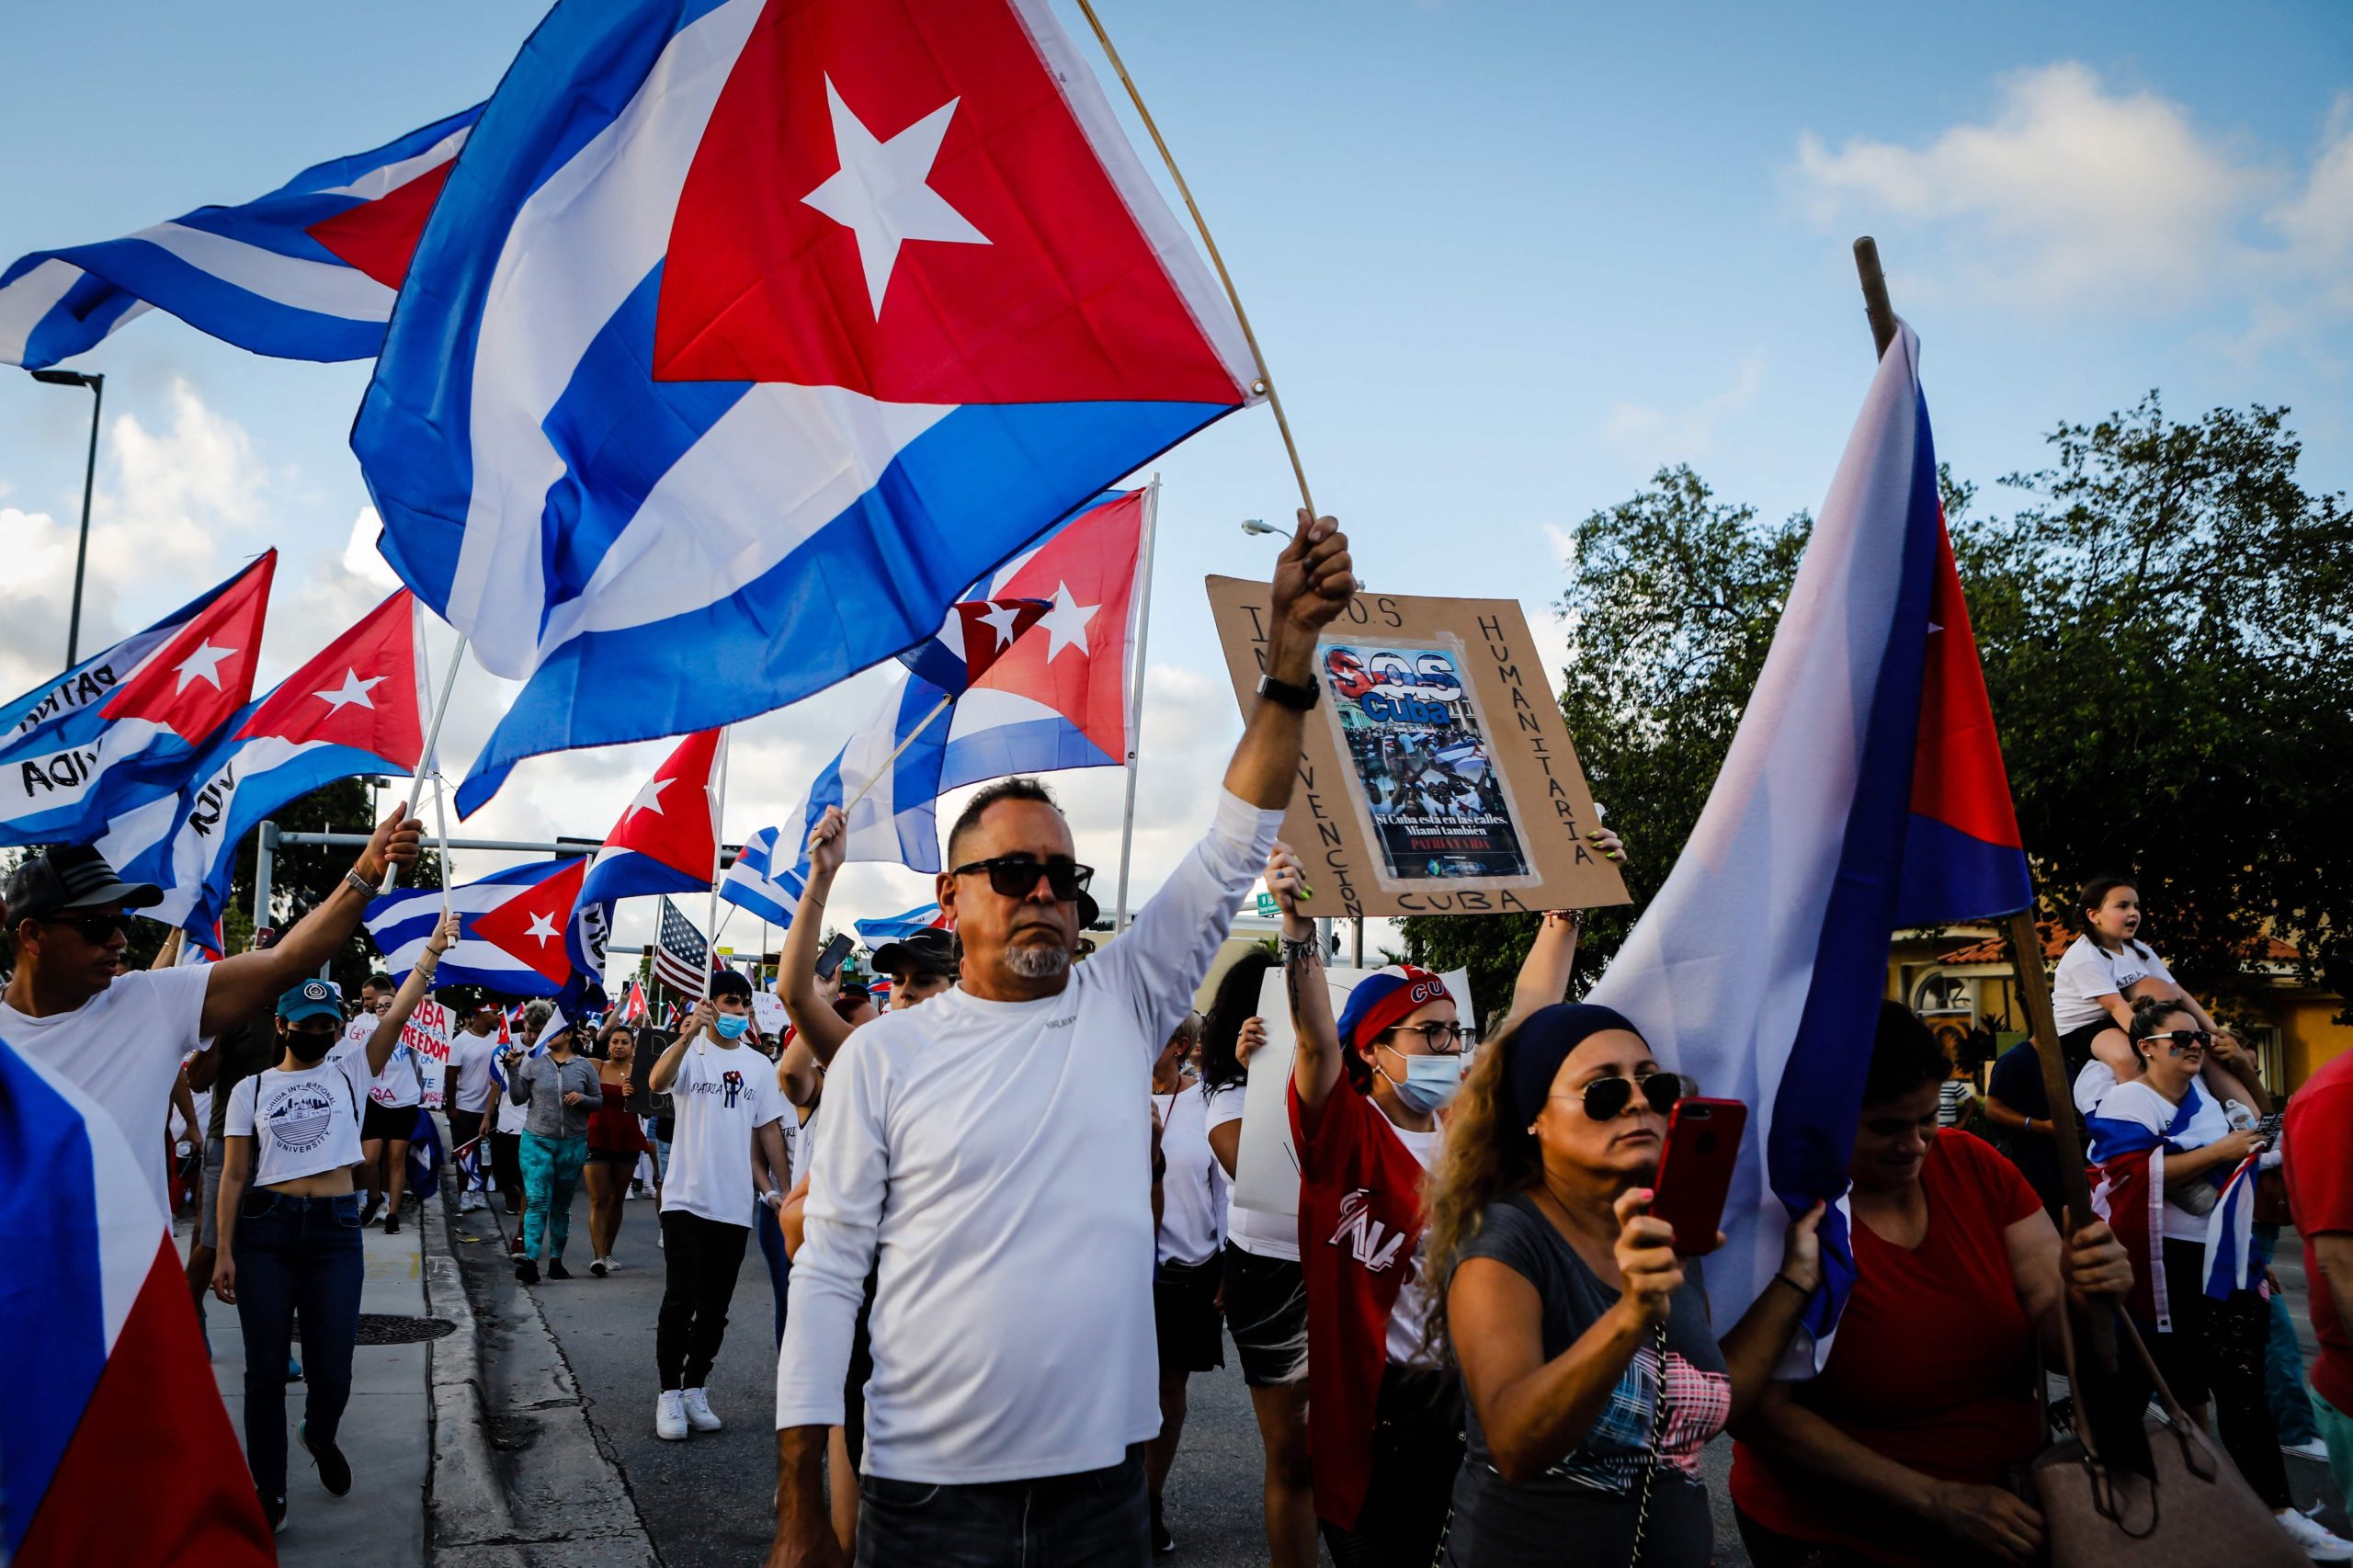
x=680 y=954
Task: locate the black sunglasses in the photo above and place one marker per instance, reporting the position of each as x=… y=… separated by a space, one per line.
x=1605 y=1097
x=2179 y=1041
x=94 y=928
x=1015 y=876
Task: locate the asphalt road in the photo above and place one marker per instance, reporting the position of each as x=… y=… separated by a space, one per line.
x=707 y=1502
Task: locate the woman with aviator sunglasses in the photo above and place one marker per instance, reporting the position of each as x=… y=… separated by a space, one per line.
x=1593 y=1373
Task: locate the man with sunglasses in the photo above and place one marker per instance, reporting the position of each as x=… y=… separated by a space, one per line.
x=120 y=1037
x=990 y=1148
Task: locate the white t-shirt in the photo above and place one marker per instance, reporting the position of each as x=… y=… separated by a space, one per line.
x=469 y=1053
x=301 y=1123
x=2139 y=1103
x=722 y=1098
x=1193 y=1190
x=398 y=1085
x=124 y=1049
x=1412 y=1309
x=991 y=1158
x=2088 y=970
x=1259 y=1235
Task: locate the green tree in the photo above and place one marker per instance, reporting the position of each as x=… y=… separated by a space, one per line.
x=303 y=874
x=2164 y=622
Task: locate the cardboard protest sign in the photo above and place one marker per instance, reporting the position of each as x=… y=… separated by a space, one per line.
x=768 y=1013
x=426 y=1036
x=1265 y=1166
x=1438 y=777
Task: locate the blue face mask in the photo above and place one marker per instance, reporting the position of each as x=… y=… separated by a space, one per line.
x=1430 y=1082
x=731 y=1024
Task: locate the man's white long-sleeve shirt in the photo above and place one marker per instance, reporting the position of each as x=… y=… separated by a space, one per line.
x=993 y=1159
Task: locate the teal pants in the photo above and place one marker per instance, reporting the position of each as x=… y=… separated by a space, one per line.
x=550 y=1172
x=2336 y=1431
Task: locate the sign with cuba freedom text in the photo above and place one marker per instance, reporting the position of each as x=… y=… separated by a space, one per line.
x=1437 y=775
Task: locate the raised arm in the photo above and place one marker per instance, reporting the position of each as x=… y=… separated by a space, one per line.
x=395 y=1015
x=240 y=986
x=665 y=1069
x=1544 y=973
x=1316 y=1051
x=818 y=1029
x=1314 y=578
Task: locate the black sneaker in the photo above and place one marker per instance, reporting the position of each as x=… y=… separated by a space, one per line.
x=1162 y=1542
x=392 y=1224
x=273 y=1509
x=528 y=1271
x=556 y=1270
x=335 y=1470
x=368 y=1215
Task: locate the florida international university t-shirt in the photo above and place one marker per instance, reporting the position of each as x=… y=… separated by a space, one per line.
x=722 y=1098
x=301 y=1123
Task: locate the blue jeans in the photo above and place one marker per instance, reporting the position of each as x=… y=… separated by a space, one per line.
x=550 y=1172
x=771 y=1236
x=2283 y=1360
x=295 y=1254
x=1093 y=1520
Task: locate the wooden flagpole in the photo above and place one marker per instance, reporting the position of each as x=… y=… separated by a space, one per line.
x=2018 y=930
x=881 y=773
x=716 y=793
x=1135 y=695
x=1266 y=381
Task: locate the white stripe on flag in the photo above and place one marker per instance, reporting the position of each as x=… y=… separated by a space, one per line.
x=329 y=288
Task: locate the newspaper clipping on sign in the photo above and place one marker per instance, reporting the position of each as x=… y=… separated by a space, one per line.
x=1437 y=775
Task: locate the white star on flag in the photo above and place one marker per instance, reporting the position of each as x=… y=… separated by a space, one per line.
x=1065 y=624
x=1000 y=620
x=880 y=192
x=353 y=690
x=542 y=928
x=649 y=798
x=203 y=665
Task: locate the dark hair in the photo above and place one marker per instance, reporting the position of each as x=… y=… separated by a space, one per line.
x=727 y=983
x=380 y=980
x=2151 y=1011
x=1235 y=1001
x=1904 y=1056
x=2094 y=897
x=1020 y=787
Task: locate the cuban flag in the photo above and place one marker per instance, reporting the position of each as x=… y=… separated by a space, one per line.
x=633 y=1008
x=511 y=928
x=118 y=1390
x=2128 y=1192
x=307 y=272
x=746 y=335
x=124 y=729
x=667 y=839
x=754 y=882
x=976 y=633
x=923 y=917
x=355 y=709
x=1863 y=791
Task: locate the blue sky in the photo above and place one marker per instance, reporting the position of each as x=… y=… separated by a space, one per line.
x=1503 y=261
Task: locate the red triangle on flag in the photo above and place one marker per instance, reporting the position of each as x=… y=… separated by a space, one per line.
x=196 y=681
x=989 y=628
x=530 y=925
x=359 y=692
x=1073 y=659
x=669 y=818
x=380 y=236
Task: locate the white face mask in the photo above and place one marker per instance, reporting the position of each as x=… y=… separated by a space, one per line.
x=1429 y=1082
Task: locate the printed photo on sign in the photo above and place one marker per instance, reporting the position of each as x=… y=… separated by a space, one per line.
x=1432 y=800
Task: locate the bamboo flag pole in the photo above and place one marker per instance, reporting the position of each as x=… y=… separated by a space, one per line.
x=425 y=763
x=884 y=772
x=2024 y=940
x=1266 y=381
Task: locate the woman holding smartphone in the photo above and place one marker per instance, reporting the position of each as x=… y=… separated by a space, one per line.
x=1594 y=1374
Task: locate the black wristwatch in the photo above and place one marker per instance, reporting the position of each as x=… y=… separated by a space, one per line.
x=1289 y=693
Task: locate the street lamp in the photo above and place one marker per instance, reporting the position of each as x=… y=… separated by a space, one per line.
x=1260 y=525
x=97 y=385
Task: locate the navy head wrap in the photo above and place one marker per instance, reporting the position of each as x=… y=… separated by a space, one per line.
x=1535 y=1049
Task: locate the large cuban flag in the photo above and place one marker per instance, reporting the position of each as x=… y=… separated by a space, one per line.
x=1864 y=790
x=116 y=1447
x=307 y=272
x=746 y=335
x=511 y=928
x=353 y=710
x=126 y=727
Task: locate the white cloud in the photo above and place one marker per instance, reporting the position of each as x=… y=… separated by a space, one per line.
x=360 y=557
x=1649 y=435
x=2073 y=196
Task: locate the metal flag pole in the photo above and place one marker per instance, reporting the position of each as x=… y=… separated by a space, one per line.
x=1266 y=381
x=716 y=793
x=424 y=760
x=441 y=838
x=1135 y=693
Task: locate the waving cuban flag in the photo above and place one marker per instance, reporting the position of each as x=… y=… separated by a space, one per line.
x=511 y=928
x=353 y=710
x=666 y=841
x=746 y=335
x=890 y=928
x=122 y=729
x=1864 y=790
x=756 y=881
x=307 y=272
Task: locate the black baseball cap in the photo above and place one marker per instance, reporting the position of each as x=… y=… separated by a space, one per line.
x=72 y=878
x=928 y=952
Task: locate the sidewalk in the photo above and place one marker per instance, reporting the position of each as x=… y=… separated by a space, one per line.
x=387 y=1427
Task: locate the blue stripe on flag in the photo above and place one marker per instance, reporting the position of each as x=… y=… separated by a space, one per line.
x=1033 y=745
x=221 y=309
x=1948 y=872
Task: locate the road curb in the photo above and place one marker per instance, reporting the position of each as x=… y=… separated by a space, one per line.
x=464 y=1501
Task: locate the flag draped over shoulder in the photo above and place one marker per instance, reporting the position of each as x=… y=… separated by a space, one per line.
x=307 y=272
x=1864 y=790
x=745 y=336
x=2128 y=1192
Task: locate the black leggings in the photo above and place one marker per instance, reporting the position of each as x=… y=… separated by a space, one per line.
x=700 y=1259
x=1416 y=1448
x=2216 y=1350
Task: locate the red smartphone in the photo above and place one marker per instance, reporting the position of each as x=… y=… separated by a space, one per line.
x=1695 y=1170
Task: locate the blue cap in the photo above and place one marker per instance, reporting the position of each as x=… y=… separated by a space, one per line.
x=312 y=999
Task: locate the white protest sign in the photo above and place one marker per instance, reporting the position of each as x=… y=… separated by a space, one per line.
x=1265 y=1167
x=426 y=1036
x=768 y=1012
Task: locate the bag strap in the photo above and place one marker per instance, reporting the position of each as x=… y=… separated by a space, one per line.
x=1658 y=1438
x=2077 y=1419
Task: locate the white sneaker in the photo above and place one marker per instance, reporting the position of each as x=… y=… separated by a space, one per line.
x=670 y=1417
x=596 y=1266
x=2314 y=1538
x=2310 y=1449
x=699 y=1416
x=474 y=1203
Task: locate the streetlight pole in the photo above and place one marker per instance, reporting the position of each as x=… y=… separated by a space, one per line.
x=97 y=385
